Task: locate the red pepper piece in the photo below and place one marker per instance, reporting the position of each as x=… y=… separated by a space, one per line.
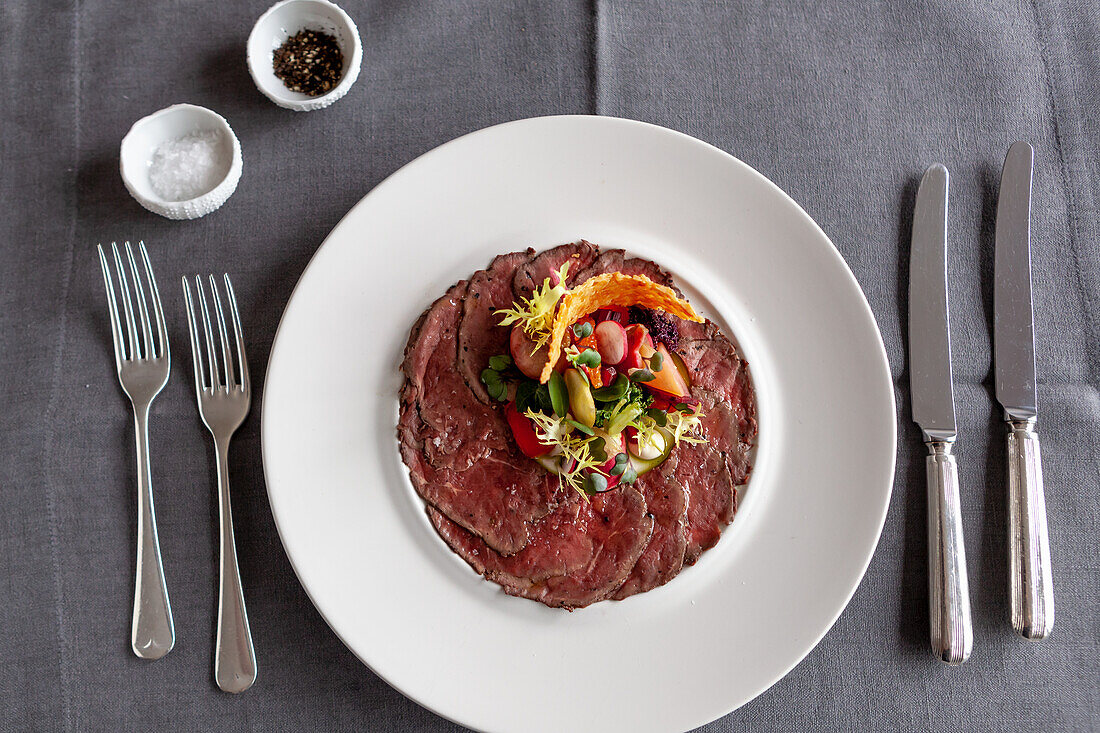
x=523 y=430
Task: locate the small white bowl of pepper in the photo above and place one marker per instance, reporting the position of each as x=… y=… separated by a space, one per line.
x=304 y=54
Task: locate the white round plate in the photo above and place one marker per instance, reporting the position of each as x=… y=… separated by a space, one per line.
x=678 y=656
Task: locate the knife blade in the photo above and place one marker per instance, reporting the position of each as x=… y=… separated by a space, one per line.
x=929 y=337
x=1013 y=329
x=952 y=634
x=1030 y=584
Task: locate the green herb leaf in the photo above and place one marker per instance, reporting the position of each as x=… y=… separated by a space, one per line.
x=658 y=416
x=684 y=407
x=588 y=358
x=498 y=391
x=629 y=475
x=595 y=483
x=525 y=394
x=582 y=330
x=621 y=459
x=656 y=361
x=559 y=397
x=542 y=399
x=489 y=377
x=612 y=392
x=642 y=375
x=582 y=427
x=617 y=469
x=500 y=362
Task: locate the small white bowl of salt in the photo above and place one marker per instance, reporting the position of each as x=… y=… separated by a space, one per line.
x=181 y=162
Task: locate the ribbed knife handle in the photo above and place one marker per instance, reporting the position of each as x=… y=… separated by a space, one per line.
x=948 y=588
x=1028 y=546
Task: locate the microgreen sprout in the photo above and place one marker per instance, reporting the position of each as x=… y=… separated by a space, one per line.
x=587 y=358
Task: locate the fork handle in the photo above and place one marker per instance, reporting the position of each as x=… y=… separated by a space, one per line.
x=1029 y=548
x=234 y=657
x=152 y=633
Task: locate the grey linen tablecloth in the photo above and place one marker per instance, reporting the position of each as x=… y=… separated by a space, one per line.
x=843 y=105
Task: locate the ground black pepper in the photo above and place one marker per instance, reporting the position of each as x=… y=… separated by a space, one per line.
x=309 y=62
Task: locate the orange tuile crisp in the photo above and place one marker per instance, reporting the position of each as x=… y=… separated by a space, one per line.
x=612 y=288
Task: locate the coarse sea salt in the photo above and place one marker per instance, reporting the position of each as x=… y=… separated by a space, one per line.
x=189 y=166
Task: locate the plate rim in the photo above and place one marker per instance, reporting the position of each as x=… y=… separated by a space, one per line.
x=882 y=362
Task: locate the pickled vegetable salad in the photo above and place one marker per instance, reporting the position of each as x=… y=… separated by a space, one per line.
x=617 y=402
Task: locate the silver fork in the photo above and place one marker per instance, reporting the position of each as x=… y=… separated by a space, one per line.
x=223 y=404
x=143 y=365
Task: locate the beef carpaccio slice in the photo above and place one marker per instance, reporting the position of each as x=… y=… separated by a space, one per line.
x=511 y=520
x=723 y=385
x=712 y=496
x=530 y=275
x=615 y=260
x=460 y=454
x=601 y=542
x=480 y=334
x=455 y=429
x=666 y=499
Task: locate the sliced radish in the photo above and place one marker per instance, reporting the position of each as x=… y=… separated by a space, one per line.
x=611 y=342
x=529 y=360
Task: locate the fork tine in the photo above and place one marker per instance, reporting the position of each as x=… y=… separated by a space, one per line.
x=127 y=305
x=238 y=332
x=223 y=334
x=112 y=309
x=193 y=329
x=147 y=344
x=211 y=356
x=163 y=348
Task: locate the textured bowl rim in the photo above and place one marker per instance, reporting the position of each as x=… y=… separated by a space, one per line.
x=213 y=198
x=324 y=100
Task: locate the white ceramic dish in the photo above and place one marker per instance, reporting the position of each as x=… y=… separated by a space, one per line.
x=284 y=19
x=141 y=142
x=722 y=631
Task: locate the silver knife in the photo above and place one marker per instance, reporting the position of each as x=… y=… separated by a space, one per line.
x=1014 y=360
x=934 y=412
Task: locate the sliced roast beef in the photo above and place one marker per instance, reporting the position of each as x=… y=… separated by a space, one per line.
x=497 y=498
x=529 y=276
x=615 y=260
x=702 y=471
x=663 y=557
x=456 y=429
x=480 y=334
x=722 y=426
x=552 y=549
x=712 y=359
x=460 y=454
x=720 y=377
x=511 y=520
x=721 y=382
x=600 y=540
